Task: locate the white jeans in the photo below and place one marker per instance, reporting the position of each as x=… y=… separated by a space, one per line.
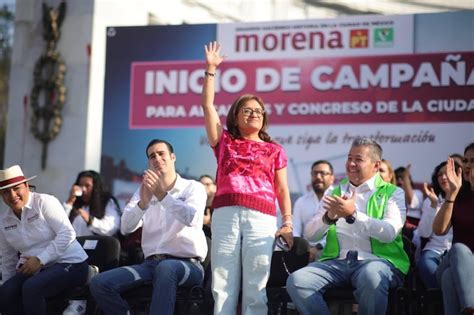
x=242 y=244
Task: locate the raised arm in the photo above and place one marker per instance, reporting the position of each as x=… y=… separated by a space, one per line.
x=213 y=123
x=442 y=220
x=407 y=186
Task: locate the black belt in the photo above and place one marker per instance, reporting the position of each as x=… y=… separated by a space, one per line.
x=166 y=256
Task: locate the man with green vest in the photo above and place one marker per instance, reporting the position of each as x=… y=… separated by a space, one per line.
x=362 y=220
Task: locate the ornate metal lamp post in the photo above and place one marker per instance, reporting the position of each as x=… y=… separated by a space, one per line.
x=48 y=75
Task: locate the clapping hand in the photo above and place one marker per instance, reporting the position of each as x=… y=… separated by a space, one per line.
x=430 y=193
x=454 y=179
x=146 y=192
x=339 y=207
x=153 y=182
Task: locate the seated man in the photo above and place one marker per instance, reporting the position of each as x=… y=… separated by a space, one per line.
x=363 y=219
x=40 y=256
x=170 y=211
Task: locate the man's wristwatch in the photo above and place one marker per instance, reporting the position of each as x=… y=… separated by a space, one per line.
x=352 y=218
x=327 y=220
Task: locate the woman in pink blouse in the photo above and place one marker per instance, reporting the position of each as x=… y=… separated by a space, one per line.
x=251 y=175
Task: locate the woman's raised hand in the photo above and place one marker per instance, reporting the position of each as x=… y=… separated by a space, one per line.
x=454 y=177
x=430 y=193
x=213 y=56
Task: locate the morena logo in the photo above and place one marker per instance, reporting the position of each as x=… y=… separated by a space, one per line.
x=288 y=41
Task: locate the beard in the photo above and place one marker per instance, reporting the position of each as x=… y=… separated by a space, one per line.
x=319 y=188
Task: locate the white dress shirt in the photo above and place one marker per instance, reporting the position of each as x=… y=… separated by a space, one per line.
x=414 y=208
x=173 y=225
x=436 y=243
x=305 y=208
x=357 y=236
x=44 y=231
x=108 y=225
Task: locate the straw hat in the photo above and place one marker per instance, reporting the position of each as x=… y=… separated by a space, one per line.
x=12 y=176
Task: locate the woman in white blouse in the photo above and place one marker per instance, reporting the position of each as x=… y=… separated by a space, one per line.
x=92 y=210
x=436 y=245
x=40 y=254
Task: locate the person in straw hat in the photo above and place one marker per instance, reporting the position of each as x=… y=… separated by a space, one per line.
x=40 y=254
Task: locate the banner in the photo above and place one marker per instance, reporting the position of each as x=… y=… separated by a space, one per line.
x=324 y=83
x=406 y=88
x=344 y=36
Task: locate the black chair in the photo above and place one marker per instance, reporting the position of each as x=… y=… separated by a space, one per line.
x=103 y=251
x=104 y=254
x=399 y=300
x=189 y=301
x=282 y=264
x=431 y=302
x=428 y=301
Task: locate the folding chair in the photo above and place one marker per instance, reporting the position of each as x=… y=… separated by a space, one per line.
x=189 y=301
x=104 y=254
x=284 y=263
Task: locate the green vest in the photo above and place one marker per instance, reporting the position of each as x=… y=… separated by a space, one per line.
x=393 y=252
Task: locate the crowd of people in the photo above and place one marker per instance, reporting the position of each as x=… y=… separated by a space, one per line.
x=356 y=227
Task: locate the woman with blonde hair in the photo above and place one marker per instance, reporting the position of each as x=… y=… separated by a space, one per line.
x=387 y=173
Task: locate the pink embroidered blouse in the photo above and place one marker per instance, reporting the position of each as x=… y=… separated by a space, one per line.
x=246 y=173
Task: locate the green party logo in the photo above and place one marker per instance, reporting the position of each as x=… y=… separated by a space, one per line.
x=383 y=37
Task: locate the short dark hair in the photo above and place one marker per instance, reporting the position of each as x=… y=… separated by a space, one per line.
x=470 y=146
x=375 y=148
x=206 y=176
x=323 y=162
x=399 y=173
x=155 y=141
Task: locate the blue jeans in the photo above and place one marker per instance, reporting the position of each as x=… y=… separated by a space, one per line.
x=371 y=280
x=165 y=276
x=456 y=276
x=427 y=265
x=27 y=294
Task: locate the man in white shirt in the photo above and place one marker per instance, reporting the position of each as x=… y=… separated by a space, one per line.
x=322 y=178
x=362 y=219
x=170 y=211
x=40 y=255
